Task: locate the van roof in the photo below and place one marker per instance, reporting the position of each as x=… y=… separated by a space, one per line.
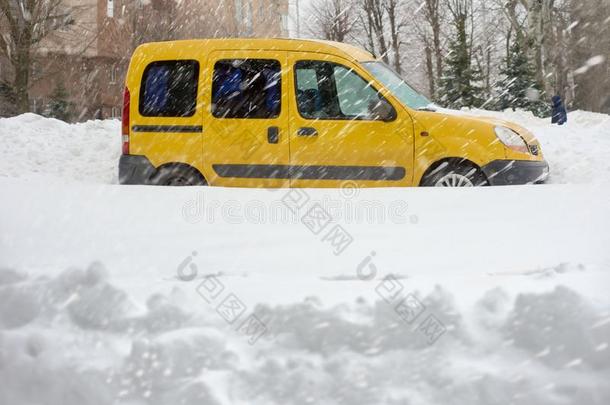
x=279 y=44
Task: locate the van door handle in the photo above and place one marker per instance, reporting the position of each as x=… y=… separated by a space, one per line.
x=273 y=135
x=307 y=131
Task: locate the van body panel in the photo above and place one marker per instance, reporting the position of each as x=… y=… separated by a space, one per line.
x=165 y=140
x=380 y=154
x=453 y=137
x=233 y=148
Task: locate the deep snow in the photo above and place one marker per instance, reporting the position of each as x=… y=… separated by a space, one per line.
x=577 y=152
x=97 y=305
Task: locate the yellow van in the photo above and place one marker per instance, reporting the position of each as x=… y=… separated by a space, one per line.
x=302 y=113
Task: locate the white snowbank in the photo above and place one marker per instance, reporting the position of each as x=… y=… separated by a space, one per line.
x=492 y=265
x=577 y=152
x=79 y=340
x=34 y=145
x=517 y=276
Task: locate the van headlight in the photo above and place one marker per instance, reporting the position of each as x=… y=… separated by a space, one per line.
x=511 y=139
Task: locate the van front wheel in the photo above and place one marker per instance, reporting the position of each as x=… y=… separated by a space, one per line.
x=178 y=176
x=454 y=175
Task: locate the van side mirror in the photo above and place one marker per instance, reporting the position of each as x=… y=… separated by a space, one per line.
x=382 y=110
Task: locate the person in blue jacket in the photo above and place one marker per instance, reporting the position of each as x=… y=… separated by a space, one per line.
x=560 y=115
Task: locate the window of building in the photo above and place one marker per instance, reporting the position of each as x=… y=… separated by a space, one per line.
x=116 y=112
x=327 y=90
x=115 y=74
x=239 y=6
x=110 y=8
x=247 y=88
x=169 y=89
x=244 y=16
x=248 y=18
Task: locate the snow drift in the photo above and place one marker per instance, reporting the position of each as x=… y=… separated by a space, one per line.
x=78 y=339
x=95 y=307
x=34 y=145
x=577 y=152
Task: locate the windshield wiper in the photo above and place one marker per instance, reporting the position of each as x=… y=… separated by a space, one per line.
x=430 y=108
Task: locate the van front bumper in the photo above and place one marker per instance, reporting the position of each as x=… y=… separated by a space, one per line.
x=135 y=169
x=516 y=172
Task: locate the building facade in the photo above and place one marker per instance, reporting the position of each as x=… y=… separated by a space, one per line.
x=89 y=57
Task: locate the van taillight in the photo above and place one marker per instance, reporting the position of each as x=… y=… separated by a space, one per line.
x=125 y=121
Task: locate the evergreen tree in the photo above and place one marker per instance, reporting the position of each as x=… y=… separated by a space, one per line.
x=59 y=106
x=461 y=84
x=518 y=87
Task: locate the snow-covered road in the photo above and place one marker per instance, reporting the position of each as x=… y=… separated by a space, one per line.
x=120 y=295
x=145 y=232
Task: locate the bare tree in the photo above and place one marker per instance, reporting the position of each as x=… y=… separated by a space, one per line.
x=383 y=23
x=428 y=30
x=491 y=29
x=334 y=20
x=530 y=20
x=432 y=14
x=430 y=69
x=366 y=24
x=588 y=44
x=374 y=11
x=461 y=12
x=23 y=25
x=394 y=20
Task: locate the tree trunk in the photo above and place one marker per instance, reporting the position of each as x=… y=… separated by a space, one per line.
x=391 y=8
x=488 y=86
x=22 y=78
x=374 y=10
x=438 y=50
x=536 y=36
x=433 y=16
x=383 y=48
x=369 y=34
x=430 y=71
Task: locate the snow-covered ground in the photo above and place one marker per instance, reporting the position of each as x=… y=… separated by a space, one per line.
x=142 y=295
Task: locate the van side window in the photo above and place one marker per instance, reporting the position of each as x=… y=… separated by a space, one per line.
x=247 y=88
x=327 y=90
x=169 y=89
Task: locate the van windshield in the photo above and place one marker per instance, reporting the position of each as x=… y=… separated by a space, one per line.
x=393 y=82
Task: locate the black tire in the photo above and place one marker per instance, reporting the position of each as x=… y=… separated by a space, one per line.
x=453 y=174
x=178 y=176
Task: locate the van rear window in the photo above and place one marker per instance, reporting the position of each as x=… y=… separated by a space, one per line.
x=169 y=89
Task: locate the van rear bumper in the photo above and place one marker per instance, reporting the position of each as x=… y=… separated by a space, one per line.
x=516 y=172
x=135 y=169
